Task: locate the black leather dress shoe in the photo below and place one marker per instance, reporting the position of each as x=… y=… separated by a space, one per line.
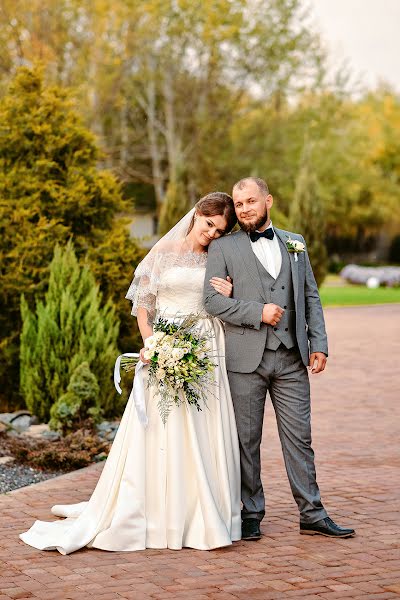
x=251 y=529
x=326 y=527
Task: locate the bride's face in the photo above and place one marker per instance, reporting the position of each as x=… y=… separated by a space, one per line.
x=207 y=229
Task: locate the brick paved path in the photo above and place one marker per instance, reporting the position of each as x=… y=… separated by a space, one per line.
x=356 y=438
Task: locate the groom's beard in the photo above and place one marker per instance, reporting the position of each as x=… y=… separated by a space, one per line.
x=255 y=225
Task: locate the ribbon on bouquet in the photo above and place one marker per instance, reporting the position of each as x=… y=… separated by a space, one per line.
x=137 y=392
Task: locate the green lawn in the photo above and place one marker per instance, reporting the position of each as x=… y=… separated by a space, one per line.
x=348 y=295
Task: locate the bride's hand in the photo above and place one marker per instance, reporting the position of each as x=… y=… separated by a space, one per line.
x=142 y=358
x=222 y=286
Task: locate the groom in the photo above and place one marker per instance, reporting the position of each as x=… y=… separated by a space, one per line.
x=274 y=329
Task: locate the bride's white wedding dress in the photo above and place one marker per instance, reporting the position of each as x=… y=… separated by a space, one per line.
x=162 y=487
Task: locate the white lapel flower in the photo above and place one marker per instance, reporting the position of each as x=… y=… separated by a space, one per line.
x=295 y=246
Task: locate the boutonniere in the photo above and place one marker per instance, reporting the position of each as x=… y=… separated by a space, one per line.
x=295 y=246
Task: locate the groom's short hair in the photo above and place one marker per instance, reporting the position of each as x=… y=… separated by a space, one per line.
x=262 y=185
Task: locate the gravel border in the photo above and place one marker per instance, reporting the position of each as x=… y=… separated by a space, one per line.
x=13 y=476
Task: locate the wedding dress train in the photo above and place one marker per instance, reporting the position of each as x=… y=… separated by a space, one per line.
x=169 y=486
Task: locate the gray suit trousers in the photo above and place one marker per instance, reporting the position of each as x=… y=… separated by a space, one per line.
x=282 y=374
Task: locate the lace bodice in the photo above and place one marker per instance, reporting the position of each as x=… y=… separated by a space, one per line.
x=181 y=290
x=169 y=280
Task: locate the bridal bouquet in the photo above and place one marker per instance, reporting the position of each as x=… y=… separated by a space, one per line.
x=180 y=367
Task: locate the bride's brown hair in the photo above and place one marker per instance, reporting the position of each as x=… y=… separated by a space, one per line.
x=216 y=203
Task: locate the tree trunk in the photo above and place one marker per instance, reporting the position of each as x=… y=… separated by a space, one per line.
x=151 y=111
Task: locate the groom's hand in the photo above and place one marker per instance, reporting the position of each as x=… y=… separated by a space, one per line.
x=317 y=362
x=272 y=314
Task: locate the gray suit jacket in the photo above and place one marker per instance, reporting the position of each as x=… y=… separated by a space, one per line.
x=242 y=313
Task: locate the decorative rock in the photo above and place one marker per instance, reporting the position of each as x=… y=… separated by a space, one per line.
x=19 y=413
x=6 y=417
x=100 y=457
x=4 y=460
x=107 y=430
x=14 y=433
x=102 y=427
x=19 y=419
x=37 y=431
x=51 y=436
x=110 y=436
x=107 y=425
x=21 y=422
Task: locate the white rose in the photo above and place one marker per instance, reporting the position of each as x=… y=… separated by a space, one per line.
x=148 y=354
x=159 y=335
x=165 y=349
x=298 y=246
x=150 y=343
x=163 y=354
x=160 y=374
x=177 y=354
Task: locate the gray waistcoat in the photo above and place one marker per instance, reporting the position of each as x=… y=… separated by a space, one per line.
x=280 y=292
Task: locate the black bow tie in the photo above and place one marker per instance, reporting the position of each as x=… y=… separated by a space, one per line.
x=268 y=233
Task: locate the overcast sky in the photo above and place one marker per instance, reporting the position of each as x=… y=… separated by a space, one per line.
x=366 y=33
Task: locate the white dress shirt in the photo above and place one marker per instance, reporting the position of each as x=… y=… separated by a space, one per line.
x=268 y=253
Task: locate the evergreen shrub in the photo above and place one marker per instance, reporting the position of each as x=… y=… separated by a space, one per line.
x=69 y=328
x=79 y=403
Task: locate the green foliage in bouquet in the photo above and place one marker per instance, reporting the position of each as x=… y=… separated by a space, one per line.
x=78 y=404
x=181 y=369
x=69 y=328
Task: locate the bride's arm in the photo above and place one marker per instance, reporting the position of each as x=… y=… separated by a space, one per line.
x=145 y=328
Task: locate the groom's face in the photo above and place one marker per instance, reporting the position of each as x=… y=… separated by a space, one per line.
x=252 y=207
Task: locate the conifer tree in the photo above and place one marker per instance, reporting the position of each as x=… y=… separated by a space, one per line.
x=307 y=216
x=51 y=189
x=69 y=328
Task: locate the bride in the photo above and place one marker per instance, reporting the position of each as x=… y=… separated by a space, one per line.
x=176 y=485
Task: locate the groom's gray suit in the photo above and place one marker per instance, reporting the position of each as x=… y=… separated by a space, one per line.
x=263 y=358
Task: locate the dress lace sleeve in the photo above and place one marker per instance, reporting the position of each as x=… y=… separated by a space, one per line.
x=143 y=289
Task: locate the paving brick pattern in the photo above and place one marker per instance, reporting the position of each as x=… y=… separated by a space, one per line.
x=356 y=438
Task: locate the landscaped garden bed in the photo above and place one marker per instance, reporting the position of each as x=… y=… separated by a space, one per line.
x=33 y=453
